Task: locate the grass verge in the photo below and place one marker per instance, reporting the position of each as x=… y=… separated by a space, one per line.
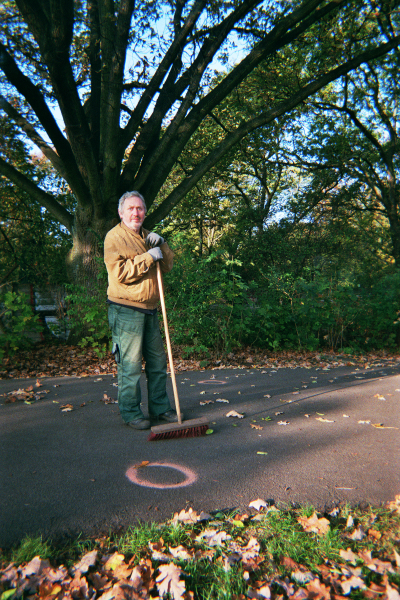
x=269 y=553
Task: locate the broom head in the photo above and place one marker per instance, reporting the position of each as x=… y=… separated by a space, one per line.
x=190 y=428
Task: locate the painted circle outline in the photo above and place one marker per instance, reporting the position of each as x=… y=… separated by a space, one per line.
x=218 y=381
x=191 y=477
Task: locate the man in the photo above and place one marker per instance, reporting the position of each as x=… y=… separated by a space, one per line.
x=130 y=254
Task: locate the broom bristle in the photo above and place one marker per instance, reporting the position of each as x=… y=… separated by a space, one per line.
x=195 y=431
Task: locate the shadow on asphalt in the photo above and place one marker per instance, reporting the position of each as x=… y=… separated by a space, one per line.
x=307 y=436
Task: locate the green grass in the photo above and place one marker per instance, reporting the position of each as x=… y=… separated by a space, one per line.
x=31 y=547
x=211 y=576
x=282 y=535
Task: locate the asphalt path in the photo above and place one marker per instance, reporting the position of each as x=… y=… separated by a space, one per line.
x=314 y=436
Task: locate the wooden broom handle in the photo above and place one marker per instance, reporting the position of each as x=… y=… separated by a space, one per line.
x=171 y=362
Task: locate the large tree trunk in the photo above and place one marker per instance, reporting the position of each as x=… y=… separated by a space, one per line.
x=87 y=273
x=85 y=259
x=395 y=237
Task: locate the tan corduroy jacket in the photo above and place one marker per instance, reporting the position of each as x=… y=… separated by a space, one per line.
x=132 y=275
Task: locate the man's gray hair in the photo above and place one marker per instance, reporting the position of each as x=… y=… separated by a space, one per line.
x=127 y=195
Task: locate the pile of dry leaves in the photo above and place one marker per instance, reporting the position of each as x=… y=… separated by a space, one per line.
x=45 y=360
x=154 y=574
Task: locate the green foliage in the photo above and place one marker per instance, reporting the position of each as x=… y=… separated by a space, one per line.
x=17 y=323
x=214 y=306
x=87 y=317
x=87 y=313
x=210 y=304
x=33 y=246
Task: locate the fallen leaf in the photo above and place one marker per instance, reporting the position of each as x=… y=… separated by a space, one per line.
x=114 y=562
x=249 y=552
x=358 y=534
x=87 y=561
x=395 y=504
x=181 y=553
x=397 y=558
x=303 y=577
x=374 y=534
x=348 y=555
x=212 y=537
x=317 y=590
x=66 y=407
x=379 y=396
x=258 y=504
x=35 y=567
x=323 y=420
x=157 y=551
x=379 y=566
x=352 y=583
x=289 y=563
x=314 y=524
x=233 y=413
x=144 y=463
x=259 y=593
x=190 y=516
x=350 y=522
x=222 y=400
x=392 y=593
x=286 y=585
x=78 y=588
x=204 y=402
x=259 y=452
x=283 y=422
x=381 y=426
x=108 y=400
x=256 y=426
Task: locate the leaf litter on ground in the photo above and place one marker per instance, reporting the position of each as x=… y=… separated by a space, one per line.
x=53 y=360
x=276 y=553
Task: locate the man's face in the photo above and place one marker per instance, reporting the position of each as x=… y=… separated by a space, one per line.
x=133 y=213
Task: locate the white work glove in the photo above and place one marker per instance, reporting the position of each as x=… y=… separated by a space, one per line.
x=155 y=253
x=153 y=240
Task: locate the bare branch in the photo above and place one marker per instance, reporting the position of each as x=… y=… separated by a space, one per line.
x=44 y=199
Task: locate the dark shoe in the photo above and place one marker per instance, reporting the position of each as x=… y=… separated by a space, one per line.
x=169 y=417
x=140 y=423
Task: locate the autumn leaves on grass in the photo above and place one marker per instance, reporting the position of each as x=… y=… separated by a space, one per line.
x=266 y=554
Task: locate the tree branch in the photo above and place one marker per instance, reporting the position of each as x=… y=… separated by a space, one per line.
x=35 y=137
x=52 y=25
x=264 y=118
x=34 y=97
x=44 y=199
x=177 y=135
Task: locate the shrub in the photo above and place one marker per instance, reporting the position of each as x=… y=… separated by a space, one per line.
x=17 y=323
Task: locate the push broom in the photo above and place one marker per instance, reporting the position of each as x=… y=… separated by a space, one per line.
x=192 y=427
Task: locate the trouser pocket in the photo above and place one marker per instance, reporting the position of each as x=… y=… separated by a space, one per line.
x=115 y=352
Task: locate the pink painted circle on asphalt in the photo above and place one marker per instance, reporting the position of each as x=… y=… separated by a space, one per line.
x=133 y=476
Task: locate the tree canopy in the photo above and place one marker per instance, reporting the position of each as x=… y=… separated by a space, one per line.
x=111 y=92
